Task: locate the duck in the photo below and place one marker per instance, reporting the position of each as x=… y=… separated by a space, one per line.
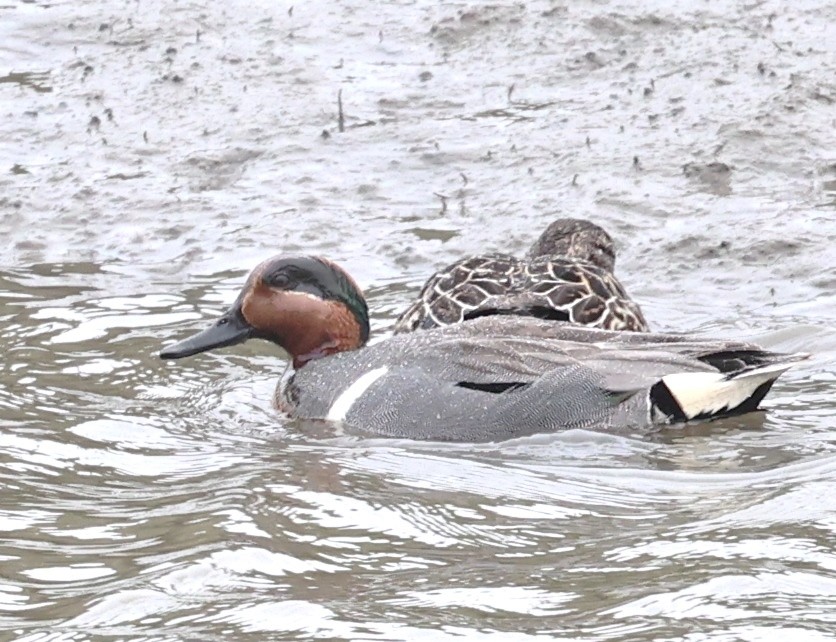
x=487 y=379
x=567 y=275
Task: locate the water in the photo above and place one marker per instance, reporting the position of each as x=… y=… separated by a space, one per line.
x=153 y=152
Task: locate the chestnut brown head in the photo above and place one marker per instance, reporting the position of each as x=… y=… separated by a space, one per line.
x=307 y=305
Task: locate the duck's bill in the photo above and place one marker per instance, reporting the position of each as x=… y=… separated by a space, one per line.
x=228 y=330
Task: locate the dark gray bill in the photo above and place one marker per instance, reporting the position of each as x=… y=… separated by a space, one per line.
x=228 y=330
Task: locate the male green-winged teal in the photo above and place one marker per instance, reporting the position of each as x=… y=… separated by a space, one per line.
x=567 y=275
x=486 y=379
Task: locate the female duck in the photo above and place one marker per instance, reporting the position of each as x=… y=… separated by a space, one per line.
x=486 y=379
x=567 y=275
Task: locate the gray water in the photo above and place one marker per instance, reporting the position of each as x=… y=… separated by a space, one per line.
x=152 y=152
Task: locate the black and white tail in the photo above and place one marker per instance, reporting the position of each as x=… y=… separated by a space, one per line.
x=691 y=396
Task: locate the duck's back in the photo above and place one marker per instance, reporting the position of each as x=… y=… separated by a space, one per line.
x=557 y=289
x=460 y=288
x=498 y=377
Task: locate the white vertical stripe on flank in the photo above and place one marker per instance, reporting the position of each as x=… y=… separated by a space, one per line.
x=349 y=397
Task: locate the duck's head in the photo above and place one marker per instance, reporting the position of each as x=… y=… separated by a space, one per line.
x=576 y=238
x=307 y=305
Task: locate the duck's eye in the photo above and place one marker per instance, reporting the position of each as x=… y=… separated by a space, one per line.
x=279 y=280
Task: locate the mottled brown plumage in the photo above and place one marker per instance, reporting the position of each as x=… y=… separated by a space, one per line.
x=567 y=275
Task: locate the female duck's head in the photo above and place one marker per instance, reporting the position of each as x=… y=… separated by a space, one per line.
x=307 y=305
x=576 y=238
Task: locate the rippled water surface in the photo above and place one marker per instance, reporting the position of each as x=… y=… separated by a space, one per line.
x=152 y=152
